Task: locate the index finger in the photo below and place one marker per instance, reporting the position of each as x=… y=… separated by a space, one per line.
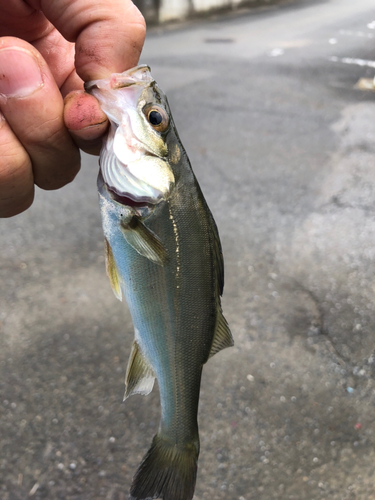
x=109 y=34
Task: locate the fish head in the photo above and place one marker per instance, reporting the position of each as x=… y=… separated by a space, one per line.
x=134 y=159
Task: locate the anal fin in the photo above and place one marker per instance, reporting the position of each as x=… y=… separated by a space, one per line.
x=139 y=378
x=111 y=268
x=222 y=337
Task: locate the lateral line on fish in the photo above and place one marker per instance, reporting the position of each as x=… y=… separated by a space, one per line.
x=178 y=291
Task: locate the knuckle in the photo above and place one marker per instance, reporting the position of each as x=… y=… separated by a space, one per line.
x=138 y=30
x=139 y=22
x=46 y=134
x=16 y=182
x=14 y=161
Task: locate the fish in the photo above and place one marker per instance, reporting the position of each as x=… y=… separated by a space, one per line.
x=164 y=257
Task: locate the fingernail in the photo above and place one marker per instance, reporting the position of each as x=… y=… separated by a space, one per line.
x=20 y=73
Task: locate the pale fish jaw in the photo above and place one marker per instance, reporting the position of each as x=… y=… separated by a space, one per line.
x=139 y=75
x=119 y=97
x=113 y=100
x=128 y=133
x=149 y=178
x=126 y=147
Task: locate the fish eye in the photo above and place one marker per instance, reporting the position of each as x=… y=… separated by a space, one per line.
x=154 y=117
x=157 y=117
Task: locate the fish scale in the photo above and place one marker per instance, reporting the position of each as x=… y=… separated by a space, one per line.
x=164 y=257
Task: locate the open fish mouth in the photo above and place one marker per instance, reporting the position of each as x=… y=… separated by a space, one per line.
x=139 y=75
x=129 y=200
x=133 y=159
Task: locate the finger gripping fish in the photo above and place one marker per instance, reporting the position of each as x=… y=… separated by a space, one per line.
x=163 y=255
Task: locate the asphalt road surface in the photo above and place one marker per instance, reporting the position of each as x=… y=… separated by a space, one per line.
x=282 y=138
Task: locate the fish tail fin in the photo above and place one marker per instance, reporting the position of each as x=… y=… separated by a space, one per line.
x=167 y=471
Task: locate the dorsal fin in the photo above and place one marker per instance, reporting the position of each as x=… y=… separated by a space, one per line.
x=139 y=378
x=217 y=253
x=215 y=245
x=222 y=337
x=111 y=268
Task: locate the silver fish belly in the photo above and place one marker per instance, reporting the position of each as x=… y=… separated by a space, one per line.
x=163 y=255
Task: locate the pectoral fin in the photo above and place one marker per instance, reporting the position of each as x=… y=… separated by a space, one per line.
x=143 y=240
x=111 y=268
x=222 y=337
x=139 y=378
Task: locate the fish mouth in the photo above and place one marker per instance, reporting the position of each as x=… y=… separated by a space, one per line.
x=142 y=206
x=139 y=75
x=129 y=200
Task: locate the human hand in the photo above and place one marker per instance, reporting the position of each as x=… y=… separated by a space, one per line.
x=47 y=50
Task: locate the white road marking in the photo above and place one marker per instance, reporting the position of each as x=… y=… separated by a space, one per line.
x=352 y=60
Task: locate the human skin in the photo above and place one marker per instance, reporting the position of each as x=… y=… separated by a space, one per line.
x=47 y=50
